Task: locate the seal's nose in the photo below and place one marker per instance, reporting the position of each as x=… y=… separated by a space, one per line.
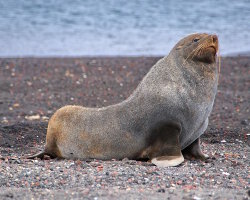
x=215 y=38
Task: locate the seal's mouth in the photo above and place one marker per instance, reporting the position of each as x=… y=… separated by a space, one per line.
x=212 y=48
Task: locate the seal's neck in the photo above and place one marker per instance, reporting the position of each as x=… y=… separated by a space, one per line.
x=200 y=70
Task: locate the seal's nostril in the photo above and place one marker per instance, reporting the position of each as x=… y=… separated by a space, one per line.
x=215 y=38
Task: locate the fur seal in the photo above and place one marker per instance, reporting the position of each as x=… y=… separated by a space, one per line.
x=161 y=120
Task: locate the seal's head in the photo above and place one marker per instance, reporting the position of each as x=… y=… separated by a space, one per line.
x=198 y=47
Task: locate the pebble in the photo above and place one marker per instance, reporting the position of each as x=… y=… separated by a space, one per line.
x=161 y=190
x=33 y=117
x=244 y=122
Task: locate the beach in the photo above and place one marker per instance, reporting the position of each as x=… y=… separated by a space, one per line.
x=32 y=89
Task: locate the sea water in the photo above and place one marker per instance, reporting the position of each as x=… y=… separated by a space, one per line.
x=118 y=27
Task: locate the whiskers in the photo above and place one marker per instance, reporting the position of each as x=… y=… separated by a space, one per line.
x=196 y=51
x=219 y=65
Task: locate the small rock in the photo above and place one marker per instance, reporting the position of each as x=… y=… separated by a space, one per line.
x=92 y=62
x=179 y=182
x=9 y=195
x=32 y=117
x=18 y=161
x=125 y=159
x=161 y=190
x=16 y=105
x=45 y=118
x=196 y=198
x=29 y=83
x=244 y=122
x=225 y=173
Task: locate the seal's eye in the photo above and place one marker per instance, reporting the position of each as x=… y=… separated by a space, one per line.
x=196 y=39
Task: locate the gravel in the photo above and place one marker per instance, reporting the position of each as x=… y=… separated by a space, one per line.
x=25 y=106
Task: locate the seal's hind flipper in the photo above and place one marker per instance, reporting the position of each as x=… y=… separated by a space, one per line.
x=193 y=151
x=38 y=155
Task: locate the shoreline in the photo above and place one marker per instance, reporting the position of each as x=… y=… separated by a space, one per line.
x=233 y=54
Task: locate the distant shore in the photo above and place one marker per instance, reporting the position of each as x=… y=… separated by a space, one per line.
x=235 y=54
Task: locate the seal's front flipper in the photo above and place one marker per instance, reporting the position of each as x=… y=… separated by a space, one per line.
x=166 y=149
x=168 y=161
x=193 y=151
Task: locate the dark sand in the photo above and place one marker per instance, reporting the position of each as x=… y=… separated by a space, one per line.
x=31 y=89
